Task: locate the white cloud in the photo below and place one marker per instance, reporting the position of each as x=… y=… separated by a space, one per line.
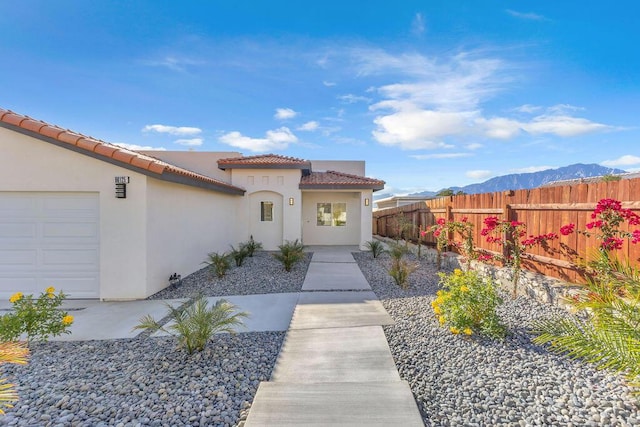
x=563 y=109
x=278 y=139
x=173 y=130
x=328 y=83
x=285 y=113
x=135 y=147
x=478 y=174
x=433 y=99
x=352 y=99
x=527 y=108
x=527 y=15
x=563 y=125
x=309 y=126
x=418 y=129
x=473 y=146
x=418 y=25
x=626 y=160
x=499 y=127
x=531 y=169
x=173 y=63
x=440 y=156
x=193 y=142
x=559 y=125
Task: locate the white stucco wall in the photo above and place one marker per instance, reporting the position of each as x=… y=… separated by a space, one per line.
x=28 y=164
x=366 y=218
x=284 y=182
x=312 y=234
x=203 y=162
x=184 y=224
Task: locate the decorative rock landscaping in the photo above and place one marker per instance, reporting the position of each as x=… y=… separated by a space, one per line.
x=148 y=381
x=475 y=381
x=141 y=382
x=260 y=274
x=456 y=380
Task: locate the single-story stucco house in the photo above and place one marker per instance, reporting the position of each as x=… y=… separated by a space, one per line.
x=100 y=221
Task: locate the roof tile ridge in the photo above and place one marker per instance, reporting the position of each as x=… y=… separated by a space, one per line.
x=268 y=155
x=350 y=175
x=100 y=147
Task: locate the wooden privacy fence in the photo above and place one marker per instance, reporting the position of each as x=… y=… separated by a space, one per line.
x=543 y=210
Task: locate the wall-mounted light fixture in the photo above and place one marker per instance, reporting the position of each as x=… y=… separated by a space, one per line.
x=366 y=201
x=291 y=201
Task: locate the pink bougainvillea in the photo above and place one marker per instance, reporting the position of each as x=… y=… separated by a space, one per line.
x=608 y=216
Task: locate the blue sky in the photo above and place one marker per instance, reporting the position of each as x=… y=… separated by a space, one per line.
x=431 y=94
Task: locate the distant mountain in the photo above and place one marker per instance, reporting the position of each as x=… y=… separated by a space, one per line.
x=519 y=181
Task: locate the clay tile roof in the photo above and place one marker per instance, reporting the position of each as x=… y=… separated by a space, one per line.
x=120 y=156
x=339 y=180
x=264 y=161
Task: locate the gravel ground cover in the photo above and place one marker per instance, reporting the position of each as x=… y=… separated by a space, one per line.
x=477 y=382
x=260 y=274
x=141 y=382
x=148 y=381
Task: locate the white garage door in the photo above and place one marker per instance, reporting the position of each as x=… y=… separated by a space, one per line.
x=49 y=239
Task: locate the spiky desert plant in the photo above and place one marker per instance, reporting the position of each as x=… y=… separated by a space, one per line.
x=397 y=251
x=218 y=263
x=252 y=246
x=11 y=352
x=610 y=337
x=375 y=247
x=400 y=271
x=195 y=325
x=239 y=254
x=290 y=253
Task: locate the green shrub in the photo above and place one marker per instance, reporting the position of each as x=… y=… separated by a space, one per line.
x=252 y=246
x=400 y=271
x=195 y=325
x=610 y=336
x=218 y=263
x=239 y=254
x=290 y=253
x=36 y=318
x=375 y=247
x=467 y=304
x=397 y=251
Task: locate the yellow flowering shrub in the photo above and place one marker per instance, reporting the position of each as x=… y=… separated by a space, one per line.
x=35 y=318
x=467 y=304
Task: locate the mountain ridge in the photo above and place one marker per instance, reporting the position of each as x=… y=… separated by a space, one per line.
x=520 y=181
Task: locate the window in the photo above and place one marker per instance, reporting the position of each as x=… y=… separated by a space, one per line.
x=332 y=214
x=266 y=211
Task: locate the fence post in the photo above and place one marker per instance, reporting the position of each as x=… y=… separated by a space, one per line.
x=448 y=215
x=507 y=214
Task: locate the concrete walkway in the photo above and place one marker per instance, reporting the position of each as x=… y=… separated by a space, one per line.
x=335 y=366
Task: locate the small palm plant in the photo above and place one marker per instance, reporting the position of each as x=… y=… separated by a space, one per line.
x=239 y=254
x=11 y=352
x=290 y=253
x=252 y=246
x=375 y=247
x=218 y=263
x=195 y=325
x=400 y=269
x=610 y=337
